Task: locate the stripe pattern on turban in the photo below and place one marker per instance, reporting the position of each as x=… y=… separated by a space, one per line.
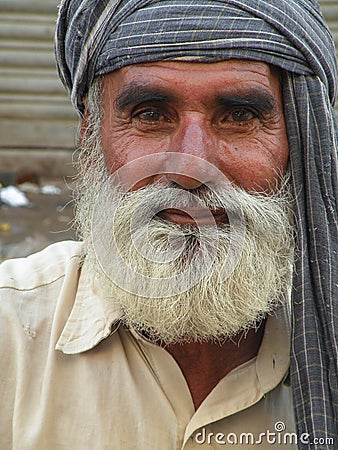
x=94 y=37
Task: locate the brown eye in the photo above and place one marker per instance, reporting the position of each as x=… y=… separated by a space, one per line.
x=149 y=116
x=241 y=115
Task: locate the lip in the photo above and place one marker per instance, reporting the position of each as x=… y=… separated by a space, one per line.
x=193 y=216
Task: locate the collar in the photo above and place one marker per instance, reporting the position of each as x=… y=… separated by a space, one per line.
x=92 y=318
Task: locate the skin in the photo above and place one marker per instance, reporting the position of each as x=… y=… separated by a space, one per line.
x=183 y=114
x=228 y=113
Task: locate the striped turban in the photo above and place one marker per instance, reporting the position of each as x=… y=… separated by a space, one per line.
x=95 y=37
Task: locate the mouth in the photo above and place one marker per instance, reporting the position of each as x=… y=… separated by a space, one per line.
x=194 y=216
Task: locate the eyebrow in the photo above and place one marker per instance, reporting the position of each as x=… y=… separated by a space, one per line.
x=137 y=93
x=258 y=99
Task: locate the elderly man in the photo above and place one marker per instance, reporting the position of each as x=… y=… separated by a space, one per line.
x=206 y=205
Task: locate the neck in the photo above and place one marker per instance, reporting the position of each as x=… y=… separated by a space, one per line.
x=205 y=364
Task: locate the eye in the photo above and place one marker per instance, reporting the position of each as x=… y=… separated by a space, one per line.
x=149 y=115
x=152 y=118
x=239 y=119
x=241 y=115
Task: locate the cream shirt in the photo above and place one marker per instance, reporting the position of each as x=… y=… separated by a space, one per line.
x=72 y=377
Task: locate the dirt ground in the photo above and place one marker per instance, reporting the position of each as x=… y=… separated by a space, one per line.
x=48 y=218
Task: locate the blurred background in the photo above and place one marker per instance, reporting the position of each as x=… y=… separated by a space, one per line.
x=38 y=129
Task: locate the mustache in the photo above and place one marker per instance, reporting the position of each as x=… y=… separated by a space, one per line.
x=233 y=204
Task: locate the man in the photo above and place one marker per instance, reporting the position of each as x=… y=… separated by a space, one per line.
x=203 y=125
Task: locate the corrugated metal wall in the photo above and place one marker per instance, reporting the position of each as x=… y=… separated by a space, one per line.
x=34 y=110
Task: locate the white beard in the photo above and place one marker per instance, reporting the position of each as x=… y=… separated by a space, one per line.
x=213 y=300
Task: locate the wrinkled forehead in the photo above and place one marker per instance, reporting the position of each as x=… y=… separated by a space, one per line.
x=169 y=79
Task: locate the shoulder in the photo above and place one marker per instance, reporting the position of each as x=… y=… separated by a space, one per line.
x=39 y=269
x=30 y=287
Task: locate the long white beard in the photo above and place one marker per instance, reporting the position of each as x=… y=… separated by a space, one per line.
x=230 y=281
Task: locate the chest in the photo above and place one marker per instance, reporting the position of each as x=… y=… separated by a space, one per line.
x=122 y=397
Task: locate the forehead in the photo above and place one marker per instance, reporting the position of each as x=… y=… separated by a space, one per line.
x=204 y=79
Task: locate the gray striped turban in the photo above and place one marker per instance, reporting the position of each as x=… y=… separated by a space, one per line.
x=95 y=37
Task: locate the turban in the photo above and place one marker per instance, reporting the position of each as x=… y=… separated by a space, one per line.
x=94 y=37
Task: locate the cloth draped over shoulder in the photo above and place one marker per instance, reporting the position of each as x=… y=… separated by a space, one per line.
x=94 y=37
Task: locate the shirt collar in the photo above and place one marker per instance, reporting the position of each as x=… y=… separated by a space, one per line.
x=92 y=319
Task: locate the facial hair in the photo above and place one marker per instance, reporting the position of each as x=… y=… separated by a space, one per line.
x=229 y=282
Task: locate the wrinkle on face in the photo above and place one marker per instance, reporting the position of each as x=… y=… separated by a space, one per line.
x=194 y=108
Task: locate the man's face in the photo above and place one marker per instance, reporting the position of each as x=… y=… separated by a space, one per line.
x=228 y=113
x=184 y=256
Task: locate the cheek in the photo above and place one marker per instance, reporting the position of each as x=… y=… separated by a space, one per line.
x=120 y=146
x=256 y=163
x=124 y=146
x=118 y=151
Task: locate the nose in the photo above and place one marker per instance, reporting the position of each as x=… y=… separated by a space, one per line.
x=191 y=140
